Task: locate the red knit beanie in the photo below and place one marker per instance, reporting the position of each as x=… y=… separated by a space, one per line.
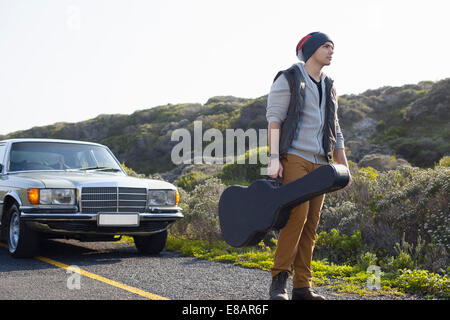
x=310 y=43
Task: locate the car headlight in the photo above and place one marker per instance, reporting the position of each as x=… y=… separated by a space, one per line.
x=52 y=196
x=163 y=197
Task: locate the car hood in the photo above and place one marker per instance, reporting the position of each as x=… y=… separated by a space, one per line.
x=92 y=179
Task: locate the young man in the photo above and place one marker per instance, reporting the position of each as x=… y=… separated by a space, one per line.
x=304 y=134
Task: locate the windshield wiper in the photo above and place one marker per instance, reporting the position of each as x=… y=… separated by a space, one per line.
x=100 y=168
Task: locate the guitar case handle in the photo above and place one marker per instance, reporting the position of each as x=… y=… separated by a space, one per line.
x=276 y=182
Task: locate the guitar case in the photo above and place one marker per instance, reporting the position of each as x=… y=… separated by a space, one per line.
x=246 y=214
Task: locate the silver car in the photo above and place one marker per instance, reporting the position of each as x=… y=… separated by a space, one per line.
x=72 y=189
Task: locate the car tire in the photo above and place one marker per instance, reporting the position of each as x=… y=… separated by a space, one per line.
x=22 y=241
x=152 y=244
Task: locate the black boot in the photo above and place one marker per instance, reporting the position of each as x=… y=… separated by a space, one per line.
x=278 y=289
x=305 y=294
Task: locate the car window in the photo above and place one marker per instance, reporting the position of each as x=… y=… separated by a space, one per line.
x=102 y=158
x=26 y=156
x=2 y=152
x=85 y=159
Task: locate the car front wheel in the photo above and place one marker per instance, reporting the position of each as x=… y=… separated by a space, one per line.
x=152 y=244
x=22 y=241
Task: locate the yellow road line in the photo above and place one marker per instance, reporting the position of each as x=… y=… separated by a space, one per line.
x=113 y=283
x=94 y=276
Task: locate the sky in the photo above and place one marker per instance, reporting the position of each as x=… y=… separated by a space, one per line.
x=71 y=60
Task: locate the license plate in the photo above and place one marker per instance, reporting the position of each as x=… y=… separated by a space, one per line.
x=118 y=220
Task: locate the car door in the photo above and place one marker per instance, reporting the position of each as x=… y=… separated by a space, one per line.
x=2 y=179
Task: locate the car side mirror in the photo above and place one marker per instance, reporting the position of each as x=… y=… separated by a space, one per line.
x=1 y=168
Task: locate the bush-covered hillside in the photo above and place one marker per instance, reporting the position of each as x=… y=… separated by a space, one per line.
x=409 y=122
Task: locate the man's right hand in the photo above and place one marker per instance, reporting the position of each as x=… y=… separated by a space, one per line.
x=275 y=168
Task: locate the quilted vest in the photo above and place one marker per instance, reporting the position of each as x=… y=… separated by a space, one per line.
x=289 y=125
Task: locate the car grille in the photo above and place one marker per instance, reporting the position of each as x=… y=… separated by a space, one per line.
x=113 y=199
x=89 y=226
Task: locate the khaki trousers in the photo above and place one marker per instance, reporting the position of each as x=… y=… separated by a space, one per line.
x=297 y=238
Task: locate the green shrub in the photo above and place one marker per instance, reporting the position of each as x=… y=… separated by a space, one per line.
x=367 y=259
x=189 y=180
x=338 y=248
x=444 y=162
x=403 y=261
x=201 y=219
x=384 y=206
x=241 y=171
x=423 y=282
x=131 y=172
x=420 y=208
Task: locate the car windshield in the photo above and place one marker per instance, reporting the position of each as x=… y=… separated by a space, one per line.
x=30 y=156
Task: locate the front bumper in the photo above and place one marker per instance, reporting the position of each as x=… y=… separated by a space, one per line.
x=77 y=223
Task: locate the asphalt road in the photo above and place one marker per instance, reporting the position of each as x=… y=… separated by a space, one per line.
x=115 y=271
